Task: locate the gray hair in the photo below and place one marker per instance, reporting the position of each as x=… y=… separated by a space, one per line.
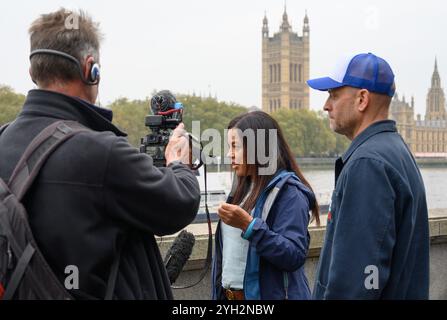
x=73 y=33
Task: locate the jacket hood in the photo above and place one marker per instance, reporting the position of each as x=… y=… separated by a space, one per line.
x=291 y=178
x=306 y=191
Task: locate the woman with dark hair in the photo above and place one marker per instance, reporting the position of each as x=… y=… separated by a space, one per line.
x=262 y=237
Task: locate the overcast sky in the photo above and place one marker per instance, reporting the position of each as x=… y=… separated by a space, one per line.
x=205 y=46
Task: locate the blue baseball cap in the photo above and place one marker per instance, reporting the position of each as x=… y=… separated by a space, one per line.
x=364 y=71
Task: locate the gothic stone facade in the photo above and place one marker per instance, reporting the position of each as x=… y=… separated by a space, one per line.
x=427 y=137
x=285 y=67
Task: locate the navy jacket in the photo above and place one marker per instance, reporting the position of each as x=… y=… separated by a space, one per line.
x=278 y=246
x=377 y=236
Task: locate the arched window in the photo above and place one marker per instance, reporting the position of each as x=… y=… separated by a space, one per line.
x=290 y=72
x=299 y=73
x=279 y=72
x=274 y=73
x=294 y=72
x=271 y=74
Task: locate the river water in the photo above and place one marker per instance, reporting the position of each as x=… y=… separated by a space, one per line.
x=322 y=181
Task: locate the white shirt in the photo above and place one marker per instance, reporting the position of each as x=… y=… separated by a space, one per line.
x=234 y=254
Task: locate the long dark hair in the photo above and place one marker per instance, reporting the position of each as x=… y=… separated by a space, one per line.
x=260 y=120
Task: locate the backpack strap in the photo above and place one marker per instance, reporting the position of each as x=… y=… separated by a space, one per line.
x=38 y=152
x=22 y=178
x=19 y=272
x=29 y=165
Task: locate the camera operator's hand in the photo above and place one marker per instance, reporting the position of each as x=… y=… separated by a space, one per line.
x=178 y=146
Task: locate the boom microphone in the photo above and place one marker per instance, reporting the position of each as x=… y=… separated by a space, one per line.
x=178 y=254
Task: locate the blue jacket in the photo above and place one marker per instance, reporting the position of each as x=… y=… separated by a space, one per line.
x=377 y=236
x=278 y=246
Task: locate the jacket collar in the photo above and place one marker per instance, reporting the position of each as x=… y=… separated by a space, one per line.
x=52 y=104
x=373 y=129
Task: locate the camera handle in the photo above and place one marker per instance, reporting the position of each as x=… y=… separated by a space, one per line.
x=191 y=138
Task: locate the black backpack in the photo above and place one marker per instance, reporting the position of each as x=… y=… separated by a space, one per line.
x=24 y=272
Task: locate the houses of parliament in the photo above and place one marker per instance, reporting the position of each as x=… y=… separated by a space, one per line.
x=285 y=67
x=426 y=137
x=285 y=70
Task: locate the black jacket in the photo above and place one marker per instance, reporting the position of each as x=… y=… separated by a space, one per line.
x=93 y=192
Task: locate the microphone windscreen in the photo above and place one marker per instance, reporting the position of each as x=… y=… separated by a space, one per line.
x=178 y=254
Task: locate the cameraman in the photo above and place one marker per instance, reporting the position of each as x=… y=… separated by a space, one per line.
x=96 y=193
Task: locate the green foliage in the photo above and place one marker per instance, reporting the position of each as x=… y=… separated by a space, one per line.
x=210 y=112
x=307 y=132
x=129 y=116
x=10 y=104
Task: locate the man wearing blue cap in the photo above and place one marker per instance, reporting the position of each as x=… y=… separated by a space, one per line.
x=377 y=236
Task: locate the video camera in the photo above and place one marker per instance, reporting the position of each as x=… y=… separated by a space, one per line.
x=166 y=116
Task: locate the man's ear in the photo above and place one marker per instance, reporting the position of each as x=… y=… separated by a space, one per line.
x=363 y=98
x=87 y=67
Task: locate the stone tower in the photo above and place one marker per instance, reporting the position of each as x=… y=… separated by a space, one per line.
x=425 y=137
x=403 y=113
x=435 y=98
x=285 y=67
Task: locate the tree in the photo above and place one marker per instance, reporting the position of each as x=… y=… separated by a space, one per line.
x=129 y=116
x=10 y=104
x=306 y=132
x=211 y=114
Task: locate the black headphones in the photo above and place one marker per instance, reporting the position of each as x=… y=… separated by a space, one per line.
x=94 y=74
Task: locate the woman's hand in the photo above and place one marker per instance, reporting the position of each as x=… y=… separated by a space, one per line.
x=234 y=216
